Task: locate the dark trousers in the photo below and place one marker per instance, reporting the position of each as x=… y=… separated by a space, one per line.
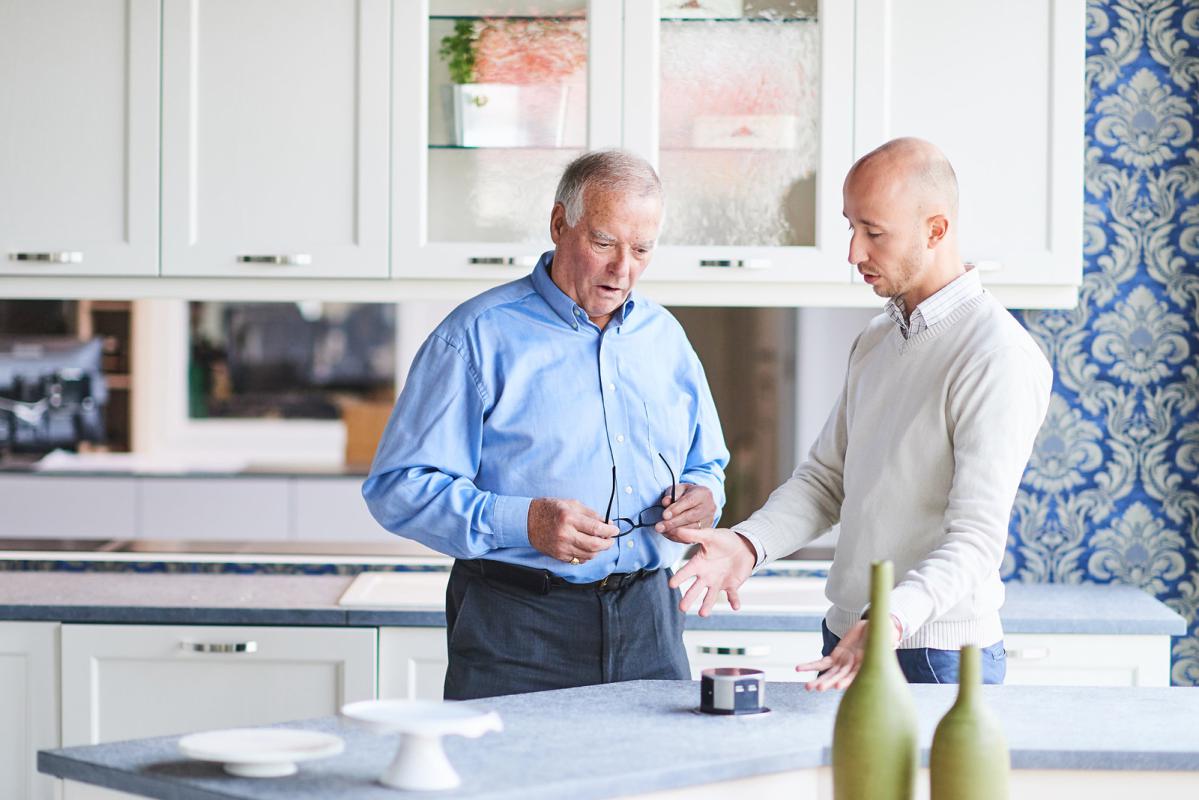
x=508 y=636
x=929 y=665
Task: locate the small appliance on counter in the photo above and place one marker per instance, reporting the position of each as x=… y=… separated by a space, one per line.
x=732 y=690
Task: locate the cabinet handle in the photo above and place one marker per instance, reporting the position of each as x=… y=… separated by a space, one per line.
x=293 y=259
x=740 y=263
x=717 y=650
x=219 y=647
x=504 y=261
x=1029 y=654
x=61 y=257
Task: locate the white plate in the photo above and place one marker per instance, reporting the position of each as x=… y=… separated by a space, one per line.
x=260 y=752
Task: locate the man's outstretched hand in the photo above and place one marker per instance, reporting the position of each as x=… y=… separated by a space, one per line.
x=722 y=563
x=841 y=666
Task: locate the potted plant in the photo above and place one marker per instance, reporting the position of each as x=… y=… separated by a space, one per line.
x=511 y=78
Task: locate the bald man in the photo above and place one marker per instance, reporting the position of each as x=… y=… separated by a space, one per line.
x=921 y=457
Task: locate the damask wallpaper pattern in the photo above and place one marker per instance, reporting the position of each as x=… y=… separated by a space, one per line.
x=1111 y=494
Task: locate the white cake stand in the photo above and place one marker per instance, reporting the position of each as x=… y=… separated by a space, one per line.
x=421 y=763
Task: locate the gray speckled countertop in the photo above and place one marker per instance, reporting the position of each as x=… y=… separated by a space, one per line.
x=652 y=739
x=201 y=599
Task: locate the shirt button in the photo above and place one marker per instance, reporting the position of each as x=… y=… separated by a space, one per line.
x=628 y=490
x=630 y=542
x=611 y=387
x=620 y=438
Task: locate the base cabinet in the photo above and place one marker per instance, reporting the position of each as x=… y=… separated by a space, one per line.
x=28 y=707
x=412 y=663
x=133 y=681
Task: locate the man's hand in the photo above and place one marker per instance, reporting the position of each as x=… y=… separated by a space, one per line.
x=841 y=666
x=693 y=507
x=723 y=562
x=567 y=529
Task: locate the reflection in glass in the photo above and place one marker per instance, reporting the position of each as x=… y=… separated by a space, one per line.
x=288 y=360
x=507 y=110
x=739 y=126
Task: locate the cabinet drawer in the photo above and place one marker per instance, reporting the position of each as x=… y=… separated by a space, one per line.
x=774 y=652
x=1087 y=660
x=133 y=681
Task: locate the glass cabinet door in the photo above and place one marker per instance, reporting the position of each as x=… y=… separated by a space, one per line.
x=749 y=121
x=493 y=99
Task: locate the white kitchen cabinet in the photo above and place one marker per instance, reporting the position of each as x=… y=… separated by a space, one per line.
x=62 y=507
x=28 y=707
x=1061 y=659
x=481 y=213
x=1011 y=126
x=79 y=137
x=1045 y=659
x=774 y=652
x=240 y=509
x=274 y=138
x=131 y=681
x=332 y=510
x=412 y=663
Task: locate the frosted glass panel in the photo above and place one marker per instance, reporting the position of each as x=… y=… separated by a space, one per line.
x=739 y=123
x=507 y=110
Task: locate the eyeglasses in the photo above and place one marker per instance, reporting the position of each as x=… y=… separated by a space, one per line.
x=647 y=518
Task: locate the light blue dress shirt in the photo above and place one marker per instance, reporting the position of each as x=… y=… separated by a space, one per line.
x=518 y=395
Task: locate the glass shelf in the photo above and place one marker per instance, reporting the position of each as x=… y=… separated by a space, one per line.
x=498 y=148
x=509 y=17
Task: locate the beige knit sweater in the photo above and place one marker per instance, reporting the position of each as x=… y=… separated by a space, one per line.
x=919 y=462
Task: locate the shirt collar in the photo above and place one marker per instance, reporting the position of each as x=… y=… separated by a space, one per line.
x=938 y=305
x=570 y=311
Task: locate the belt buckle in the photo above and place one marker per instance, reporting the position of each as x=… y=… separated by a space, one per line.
x=603 y=584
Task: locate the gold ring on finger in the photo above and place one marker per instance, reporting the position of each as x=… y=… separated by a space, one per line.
x=574 y=562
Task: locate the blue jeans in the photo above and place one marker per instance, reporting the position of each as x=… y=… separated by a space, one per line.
x=926 y=665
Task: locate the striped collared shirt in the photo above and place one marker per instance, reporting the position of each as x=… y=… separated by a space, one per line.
x=937 y=307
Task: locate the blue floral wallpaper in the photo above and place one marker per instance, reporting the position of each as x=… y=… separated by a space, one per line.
x=1110 y=493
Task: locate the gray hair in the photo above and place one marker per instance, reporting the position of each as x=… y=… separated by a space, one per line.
x=609 y=170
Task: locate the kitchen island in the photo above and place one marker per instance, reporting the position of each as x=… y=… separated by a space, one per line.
x=645 y=739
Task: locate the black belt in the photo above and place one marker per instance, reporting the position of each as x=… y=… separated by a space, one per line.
x=540 y=581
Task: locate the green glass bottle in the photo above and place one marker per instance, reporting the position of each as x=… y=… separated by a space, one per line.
x=969 y=759
x=874 y=738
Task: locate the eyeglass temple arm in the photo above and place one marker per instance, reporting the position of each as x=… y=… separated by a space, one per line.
x=611 y=497
x=668 y=469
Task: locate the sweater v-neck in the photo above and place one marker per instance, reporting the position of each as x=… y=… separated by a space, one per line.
x=905 y=346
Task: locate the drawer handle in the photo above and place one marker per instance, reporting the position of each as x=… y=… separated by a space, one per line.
x=293 y=259
x=504 y=261
x=219 y=647
x=1029 y=654
x=740 y=263
x=62 y=257
x=717 y=650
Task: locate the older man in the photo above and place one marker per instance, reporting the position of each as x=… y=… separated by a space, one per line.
x=922 y=455
x=551 y=430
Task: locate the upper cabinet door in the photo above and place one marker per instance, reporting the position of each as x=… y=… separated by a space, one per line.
x=275 y=126
x=1000 y=88
x=492 y=99
x=746 y=107
x=78 y=137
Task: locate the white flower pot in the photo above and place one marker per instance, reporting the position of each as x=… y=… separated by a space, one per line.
x=508 y=115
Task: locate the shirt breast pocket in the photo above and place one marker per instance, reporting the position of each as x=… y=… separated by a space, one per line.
x=668 y=433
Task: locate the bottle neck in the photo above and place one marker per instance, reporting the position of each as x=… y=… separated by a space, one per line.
x=880 y=636
x=969 y=674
